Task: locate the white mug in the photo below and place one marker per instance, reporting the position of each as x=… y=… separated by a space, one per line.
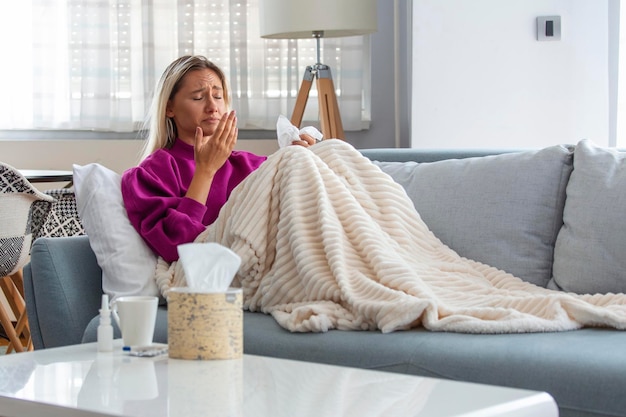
x=136 y=317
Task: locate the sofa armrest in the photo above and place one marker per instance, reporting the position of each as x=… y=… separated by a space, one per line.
x=63 y=290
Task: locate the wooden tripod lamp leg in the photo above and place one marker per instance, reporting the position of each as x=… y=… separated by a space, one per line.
x=329 y=108
x=303 y=96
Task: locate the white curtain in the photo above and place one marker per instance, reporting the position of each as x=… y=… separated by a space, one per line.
x=92 y=64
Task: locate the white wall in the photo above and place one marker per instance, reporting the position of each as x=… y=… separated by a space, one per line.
x=481 y=79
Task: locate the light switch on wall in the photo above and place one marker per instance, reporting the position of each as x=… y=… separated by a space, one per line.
x=549 y=28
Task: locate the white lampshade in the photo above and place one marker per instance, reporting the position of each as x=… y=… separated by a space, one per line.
x=293 y=19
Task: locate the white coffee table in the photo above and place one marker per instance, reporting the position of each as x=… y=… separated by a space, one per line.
x=78 y=381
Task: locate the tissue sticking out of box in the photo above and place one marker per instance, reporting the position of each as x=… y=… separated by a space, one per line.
x=287 y=132
x=209 y=267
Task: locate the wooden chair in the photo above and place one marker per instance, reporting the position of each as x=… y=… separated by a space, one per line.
x=17 y=196
x=12 y=287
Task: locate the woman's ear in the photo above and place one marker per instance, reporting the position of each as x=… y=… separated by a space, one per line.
x=168 y=109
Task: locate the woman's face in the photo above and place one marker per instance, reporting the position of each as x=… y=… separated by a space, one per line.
x=198 y=102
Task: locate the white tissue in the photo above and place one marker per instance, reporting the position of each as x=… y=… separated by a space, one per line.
x=209 y=267
x=287 y=132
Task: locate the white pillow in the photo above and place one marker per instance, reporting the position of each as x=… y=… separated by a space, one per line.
x=127 y=263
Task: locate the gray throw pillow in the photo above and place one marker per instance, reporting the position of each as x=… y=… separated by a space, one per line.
x=590 y=253
x=503 y=210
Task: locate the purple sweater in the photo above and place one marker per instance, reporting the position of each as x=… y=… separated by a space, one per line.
x=153 y=194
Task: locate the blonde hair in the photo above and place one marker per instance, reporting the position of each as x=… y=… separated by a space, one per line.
x=161 y=129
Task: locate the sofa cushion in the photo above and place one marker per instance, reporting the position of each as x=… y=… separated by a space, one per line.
x=503 y=210
x=590 y=253
x=564 y=364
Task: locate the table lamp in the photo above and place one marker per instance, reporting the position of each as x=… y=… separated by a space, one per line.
x=298 y=19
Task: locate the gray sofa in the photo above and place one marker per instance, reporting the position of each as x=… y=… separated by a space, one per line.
x=551 y=216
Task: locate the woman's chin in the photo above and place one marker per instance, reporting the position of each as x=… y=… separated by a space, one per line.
x=208 y=128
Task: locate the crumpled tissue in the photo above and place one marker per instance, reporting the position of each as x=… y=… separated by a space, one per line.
x=209 y=267
x=287 y=132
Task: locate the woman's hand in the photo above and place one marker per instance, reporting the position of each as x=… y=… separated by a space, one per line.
x=305 y=140
x=210 y=153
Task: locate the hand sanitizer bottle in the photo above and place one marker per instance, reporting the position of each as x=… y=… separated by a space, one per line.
x=105 y=330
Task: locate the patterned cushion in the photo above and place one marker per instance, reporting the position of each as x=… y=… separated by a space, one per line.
x=17 y=195
x=59 y=220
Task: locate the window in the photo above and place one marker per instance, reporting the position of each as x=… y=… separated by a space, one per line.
x=92 y=65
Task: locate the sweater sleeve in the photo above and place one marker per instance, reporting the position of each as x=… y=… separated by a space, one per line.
x=158 y=210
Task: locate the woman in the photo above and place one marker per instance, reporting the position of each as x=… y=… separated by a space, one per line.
x=189 y=167
x=326 y=239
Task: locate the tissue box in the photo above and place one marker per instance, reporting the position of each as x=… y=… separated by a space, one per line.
x=204 y=325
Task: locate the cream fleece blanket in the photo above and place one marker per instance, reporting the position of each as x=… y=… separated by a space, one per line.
x=329 y=241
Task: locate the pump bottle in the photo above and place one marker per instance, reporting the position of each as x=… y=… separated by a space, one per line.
x=105 y=330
